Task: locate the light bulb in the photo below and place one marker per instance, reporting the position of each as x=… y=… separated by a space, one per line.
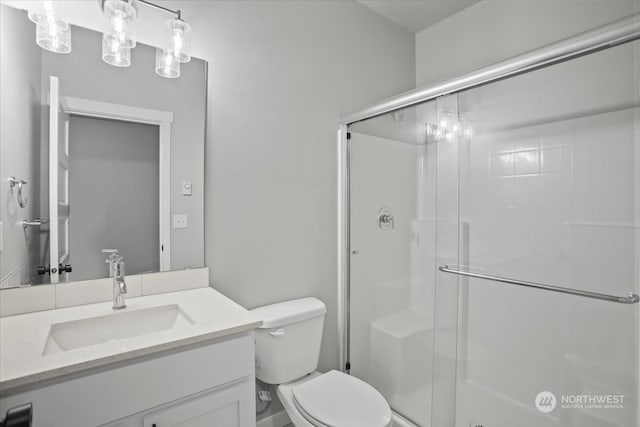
x=178 y=39
x=54 y=35
x=167 y=64
x=446 y=121
x=121 y=18
x=113 y=53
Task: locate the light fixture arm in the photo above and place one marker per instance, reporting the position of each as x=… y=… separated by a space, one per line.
x=178 y=13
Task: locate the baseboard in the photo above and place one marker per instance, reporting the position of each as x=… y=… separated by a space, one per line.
x=279 y=419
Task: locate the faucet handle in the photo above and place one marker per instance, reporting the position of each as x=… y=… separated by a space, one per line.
x=113 y=255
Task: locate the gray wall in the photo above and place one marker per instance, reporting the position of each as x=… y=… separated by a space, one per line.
x=281 y=74
x=493 y=30
x=113 y=189
x=19 y=145
x=83 y=74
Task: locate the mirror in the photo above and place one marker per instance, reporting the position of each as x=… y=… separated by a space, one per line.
x=96 y=157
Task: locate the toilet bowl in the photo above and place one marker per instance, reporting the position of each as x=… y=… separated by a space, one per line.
x=287 y=352
x=334 y=399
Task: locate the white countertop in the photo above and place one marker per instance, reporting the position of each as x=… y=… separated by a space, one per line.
x=23 y=337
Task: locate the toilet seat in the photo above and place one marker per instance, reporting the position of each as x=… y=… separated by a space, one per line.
x=336 y=399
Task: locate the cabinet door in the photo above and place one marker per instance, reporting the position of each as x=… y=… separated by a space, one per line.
x=229 y=407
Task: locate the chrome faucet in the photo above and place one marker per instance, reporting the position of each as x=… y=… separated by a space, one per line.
x=116 y=270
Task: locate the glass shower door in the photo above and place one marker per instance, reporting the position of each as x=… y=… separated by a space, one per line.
x=392 y=264
x=534 y=178
x=549 y=193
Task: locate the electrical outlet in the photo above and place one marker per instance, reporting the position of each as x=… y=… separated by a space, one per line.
x=180 y=221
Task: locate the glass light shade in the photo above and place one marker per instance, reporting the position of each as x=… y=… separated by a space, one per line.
x=166 y=64
x=121 y=19
x=39 y=15
x=54 y=35
x=178 y=39
x=115 y=54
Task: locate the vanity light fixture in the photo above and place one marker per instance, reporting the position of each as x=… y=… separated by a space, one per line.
x=52 y=33
x=120 y=37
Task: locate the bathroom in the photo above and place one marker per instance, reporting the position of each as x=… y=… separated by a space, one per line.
x=445 y=250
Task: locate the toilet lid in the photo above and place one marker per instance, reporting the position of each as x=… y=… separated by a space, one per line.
x=336 y=399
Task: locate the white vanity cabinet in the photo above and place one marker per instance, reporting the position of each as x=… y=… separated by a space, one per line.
x=205 y=384
x=219 y=407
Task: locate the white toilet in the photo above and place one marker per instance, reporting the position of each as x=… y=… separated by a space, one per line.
x=287 y=351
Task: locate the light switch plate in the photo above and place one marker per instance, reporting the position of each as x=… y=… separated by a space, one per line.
x=180 y=221
x=187 y=188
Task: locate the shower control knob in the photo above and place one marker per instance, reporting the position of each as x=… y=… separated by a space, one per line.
x=385 y=219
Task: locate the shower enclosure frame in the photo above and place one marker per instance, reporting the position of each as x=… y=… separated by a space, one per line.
x=610 y=35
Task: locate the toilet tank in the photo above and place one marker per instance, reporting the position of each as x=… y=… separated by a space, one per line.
x=288 y=342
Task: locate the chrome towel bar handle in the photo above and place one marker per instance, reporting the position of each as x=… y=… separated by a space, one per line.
x=630 y=299
x=15 y=182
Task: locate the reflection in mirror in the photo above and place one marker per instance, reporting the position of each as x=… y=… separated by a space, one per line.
x=95 y=157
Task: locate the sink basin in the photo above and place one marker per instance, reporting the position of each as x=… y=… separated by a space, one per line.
x=113 y=327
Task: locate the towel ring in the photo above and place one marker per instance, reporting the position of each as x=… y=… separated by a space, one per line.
x=13 y=181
